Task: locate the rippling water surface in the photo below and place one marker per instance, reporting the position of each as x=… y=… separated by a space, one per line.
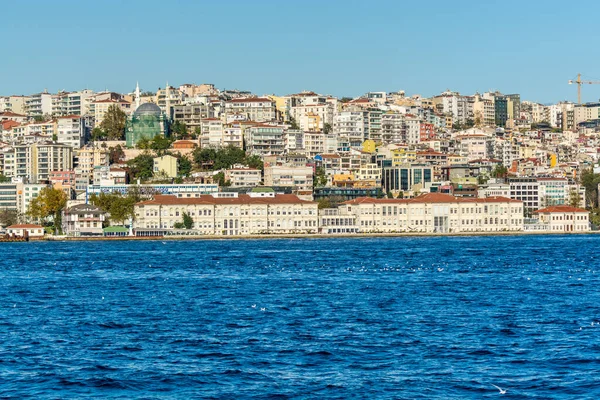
x=414 y=318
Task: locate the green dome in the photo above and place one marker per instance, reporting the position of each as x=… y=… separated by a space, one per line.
x=148 y=109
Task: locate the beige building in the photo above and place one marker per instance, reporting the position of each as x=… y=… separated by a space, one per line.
x=300 y=178
x=100 y=108
x=166 y=166
x=243 y=177
x=230 y=213
x=435 y=213
x=26 y=230
x=89 y=157
x=259 y=109
x=564 y=219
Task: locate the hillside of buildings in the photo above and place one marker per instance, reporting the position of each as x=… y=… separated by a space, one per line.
x=196 y=160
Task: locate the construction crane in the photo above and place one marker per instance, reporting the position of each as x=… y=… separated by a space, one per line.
x=579 y=82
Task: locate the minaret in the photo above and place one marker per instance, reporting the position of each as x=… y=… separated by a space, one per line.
x=137 y=95
x=168 y=105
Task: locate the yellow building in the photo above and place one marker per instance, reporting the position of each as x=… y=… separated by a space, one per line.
x=403 y=156
x=369 y=146
x=166 y=165
x=281 y=104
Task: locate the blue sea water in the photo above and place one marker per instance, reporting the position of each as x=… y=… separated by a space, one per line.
x=377 y=318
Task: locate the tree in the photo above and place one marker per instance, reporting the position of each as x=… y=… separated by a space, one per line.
x=324 y=203
x=160 y=144
x=204 y=157
x=4 y=179
x=228 y=156
x=197 y=133
x=326 y=128
x=345 y=99
x=114 y=122
x=255 y=162
x=219 y=177
x=390 y=195
x=143 y=144
x=188 y=221
x=185 y=166
x=54 y=137
x=98 y=134
x=500 y=171
x=8 y=217
x=590 y=182
x=293 y=123
x=50 y=202
x=179 y=129
x=120 y=208
x=141 y=167
x=116 y=154
x=574 y=198
x=320 y=177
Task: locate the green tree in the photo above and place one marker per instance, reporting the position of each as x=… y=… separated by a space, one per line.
x=197 y=133
x=8 y=217
x=326 y=128
x=293 y=123
x=4 y=179
x=178 y=129
x=390 y=195
x=500 y=171
x=50 y=202
x=114 y=122
x=116 y=154
x=228 y=156
x=97 y=134
x=143 y=144
x=324 y=202
x=204 y=158
x=590 y=182
x=54 y=137
x=188 y=221
x=119 y=207
x=184 y=165
x=345 y=99
x=320 y=177
x=141 y=167
x=219 y=177
x=160 y=144
x=574 y=198
x=255 y=162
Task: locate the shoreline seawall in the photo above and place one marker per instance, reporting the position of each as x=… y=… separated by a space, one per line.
x=308 y=236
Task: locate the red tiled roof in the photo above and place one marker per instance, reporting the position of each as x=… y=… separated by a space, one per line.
x=11 y=114
x=433 y=198
x=251 y=100
x=208 y=199
x=562 y=209
x=24 y=226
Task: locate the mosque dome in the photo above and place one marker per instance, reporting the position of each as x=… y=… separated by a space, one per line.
x=148 y=109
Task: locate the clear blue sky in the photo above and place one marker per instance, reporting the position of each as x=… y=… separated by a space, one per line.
x=344 y=48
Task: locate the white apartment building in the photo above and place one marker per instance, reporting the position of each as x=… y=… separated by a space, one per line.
x=39 y=104
x=263 y=140
x=259 y=109
x=35 y=161
x=230 y=213
x=352 y=126
x=70 y=130
x=293 y=140
x=233 y=135
x=211 y=133
x=475 y=146
x=392 y=128
x=436 y=213
x=71 y=103
x=412 y=128
x=314 y=143
x=243 y=177
x=313 y=117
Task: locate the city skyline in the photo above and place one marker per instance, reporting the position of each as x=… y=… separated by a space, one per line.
x=342 y=49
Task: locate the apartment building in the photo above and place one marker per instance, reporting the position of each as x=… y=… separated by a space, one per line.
x=211 y=133
x=100 y=108
x=36 y=161
x=70 y=130
x=313 y=117
x=259 y=109
x=435 y=213
x=243 y=177
x=230 y=213
x=352 y=126
x=192 y=115
x=263 y=140
x=71 y=103
x=392 y=128
x=299 y=178
x=406 y=177
x=38 y=105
